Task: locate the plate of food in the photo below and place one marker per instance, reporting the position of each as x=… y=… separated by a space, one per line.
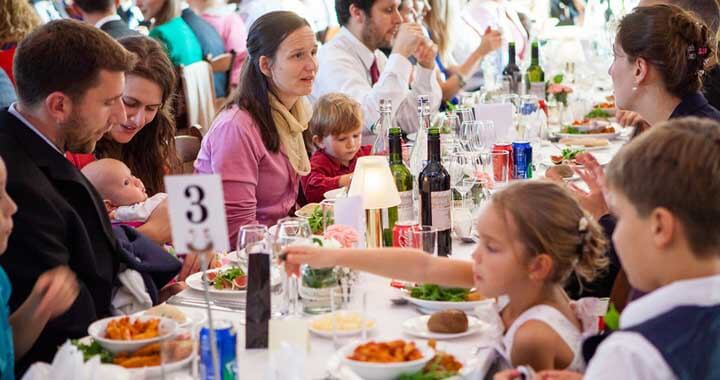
x=183 y=318
x=587 y=143
x=177 y=352
x=229 y=280
x=337 y=193
x=567 y=156
x=446 y=324
x=313 y=212
x=385 y=360
x=585 y=128
x=431 y=297
x=347 y=323
x=608 y=107
x=127 y=334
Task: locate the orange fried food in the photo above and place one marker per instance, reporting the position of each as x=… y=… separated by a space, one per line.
x=137 y=361
x=122 y=329
x=396 y=351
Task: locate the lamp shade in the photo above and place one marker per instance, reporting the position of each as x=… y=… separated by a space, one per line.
x=373 y=181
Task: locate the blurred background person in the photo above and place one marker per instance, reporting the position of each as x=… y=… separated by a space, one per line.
x=17 y=20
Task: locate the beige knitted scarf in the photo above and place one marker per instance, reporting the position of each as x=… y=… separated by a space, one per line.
x=290 y=125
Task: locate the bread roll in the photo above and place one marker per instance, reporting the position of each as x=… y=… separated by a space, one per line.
x=450 y=321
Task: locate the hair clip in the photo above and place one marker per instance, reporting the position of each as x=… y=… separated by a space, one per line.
x=583 y=224
x=691 y=52
x=703 y=51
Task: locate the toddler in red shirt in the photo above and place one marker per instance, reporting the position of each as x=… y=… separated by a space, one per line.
x=336 y=128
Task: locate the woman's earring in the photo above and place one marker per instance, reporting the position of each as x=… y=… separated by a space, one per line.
x=634 y=88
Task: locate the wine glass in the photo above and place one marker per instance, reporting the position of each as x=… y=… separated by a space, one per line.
x=249 y=236
x=290 y=231
x=487 y=135
x=463 y=172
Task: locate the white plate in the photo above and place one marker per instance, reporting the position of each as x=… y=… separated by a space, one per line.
x=194 y=282
x=166 y=328
x=434 y=306
x=602 y=159
x=587 y=148
x=149 y=371
x=337 y=193
x=344 y=333
x=418 y=327
x=384 y=371
x=193 y=317
x=609 y=136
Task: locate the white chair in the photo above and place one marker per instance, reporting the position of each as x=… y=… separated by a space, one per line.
x=197 y=82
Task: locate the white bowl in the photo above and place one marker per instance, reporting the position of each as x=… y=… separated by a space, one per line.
x=96 y=330
x=385 y=371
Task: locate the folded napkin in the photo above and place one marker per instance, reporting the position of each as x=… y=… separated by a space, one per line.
x=131 y=297
x=69 y=364
x=287 y=363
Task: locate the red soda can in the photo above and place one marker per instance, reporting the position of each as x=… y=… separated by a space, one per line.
x=504 y=147
x=402 y=234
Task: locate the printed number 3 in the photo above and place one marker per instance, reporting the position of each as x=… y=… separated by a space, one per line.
x=198 y=214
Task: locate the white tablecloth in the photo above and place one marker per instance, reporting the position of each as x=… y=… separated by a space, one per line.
x=253 y=364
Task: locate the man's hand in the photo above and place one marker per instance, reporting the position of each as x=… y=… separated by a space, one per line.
x=426 y=53
x=407 y=39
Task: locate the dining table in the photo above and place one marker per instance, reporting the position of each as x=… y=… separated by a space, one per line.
x=388 y=315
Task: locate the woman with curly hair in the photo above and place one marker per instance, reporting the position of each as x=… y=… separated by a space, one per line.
x=17 y=20
x=145 y=142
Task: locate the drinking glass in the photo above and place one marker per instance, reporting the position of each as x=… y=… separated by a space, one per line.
x=290 y=231
x=348 y=311
x=425 y=239
x=487 y=135
x=498 y=168
x=250 y=234
x=328 y=211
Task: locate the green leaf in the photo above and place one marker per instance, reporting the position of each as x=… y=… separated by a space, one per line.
x=557 y=79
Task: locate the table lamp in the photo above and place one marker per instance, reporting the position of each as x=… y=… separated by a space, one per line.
x=373 y=181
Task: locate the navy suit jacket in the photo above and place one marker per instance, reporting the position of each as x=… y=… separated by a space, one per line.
x=61 y=220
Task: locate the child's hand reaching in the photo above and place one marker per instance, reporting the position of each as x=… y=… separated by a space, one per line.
x=54 y=292
x=315 y=257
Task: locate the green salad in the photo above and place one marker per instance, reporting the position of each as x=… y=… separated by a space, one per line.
x=598 y=113
x=432 y=292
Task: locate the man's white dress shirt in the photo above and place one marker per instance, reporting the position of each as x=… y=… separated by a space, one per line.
x=344 y=66
x=628 y=355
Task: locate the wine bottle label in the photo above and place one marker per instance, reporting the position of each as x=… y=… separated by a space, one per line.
x=405 y=210
x=538 y=89
x=441 y=205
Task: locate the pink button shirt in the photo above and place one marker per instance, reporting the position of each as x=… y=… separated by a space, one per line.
x=259 y=186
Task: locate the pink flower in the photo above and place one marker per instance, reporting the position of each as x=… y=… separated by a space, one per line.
x=556 y=88
x=345 y=235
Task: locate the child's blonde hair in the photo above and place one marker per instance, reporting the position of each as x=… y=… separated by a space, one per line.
x=334 y=114
x=549 y=220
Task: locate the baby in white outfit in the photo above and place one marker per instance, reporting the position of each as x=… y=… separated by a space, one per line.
x=123 y=194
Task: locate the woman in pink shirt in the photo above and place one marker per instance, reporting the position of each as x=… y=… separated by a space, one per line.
x=256 y=142
x=231 y=28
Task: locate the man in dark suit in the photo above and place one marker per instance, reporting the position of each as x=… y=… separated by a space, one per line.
x=103 y=14
x=61 y=219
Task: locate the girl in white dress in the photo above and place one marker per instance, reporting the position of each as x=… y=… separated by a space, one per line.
x=532 y=236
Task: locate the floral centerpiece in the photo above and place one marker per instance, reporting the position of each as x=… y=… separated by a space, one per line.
x=558 y=90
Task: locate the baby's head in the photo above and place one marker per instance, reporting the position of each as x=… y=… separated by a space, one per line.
x=336 y=126
x=115 y=183
x=534 y=234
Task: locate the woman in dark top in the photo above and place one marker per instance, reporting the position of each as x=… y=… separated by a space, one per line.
x=661 y=53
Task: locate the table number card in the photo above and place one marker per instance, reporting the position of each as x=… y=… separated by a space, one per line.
x=197 y=213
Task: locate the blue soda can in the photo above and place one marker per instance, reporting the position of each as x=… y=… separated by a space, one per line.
x=226 y=339
x=522 y=159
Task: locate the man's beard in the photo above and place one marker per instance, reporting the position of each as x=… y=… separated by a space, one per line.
x=75 y=131
x=371 y=38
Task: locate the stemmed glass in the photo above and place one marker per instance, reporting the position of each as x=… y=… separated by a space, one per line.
x=291 y=231
x=463 y=172
x=249 y=235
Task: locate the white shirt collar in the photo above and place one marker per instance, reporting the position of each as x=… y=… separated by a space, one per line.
x=359 y=48
x=704 y=291
x=106 y=20
x=20 y=117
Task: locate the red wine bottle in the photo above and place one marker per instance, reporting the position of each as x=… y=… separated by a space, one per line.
x=435 y=195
